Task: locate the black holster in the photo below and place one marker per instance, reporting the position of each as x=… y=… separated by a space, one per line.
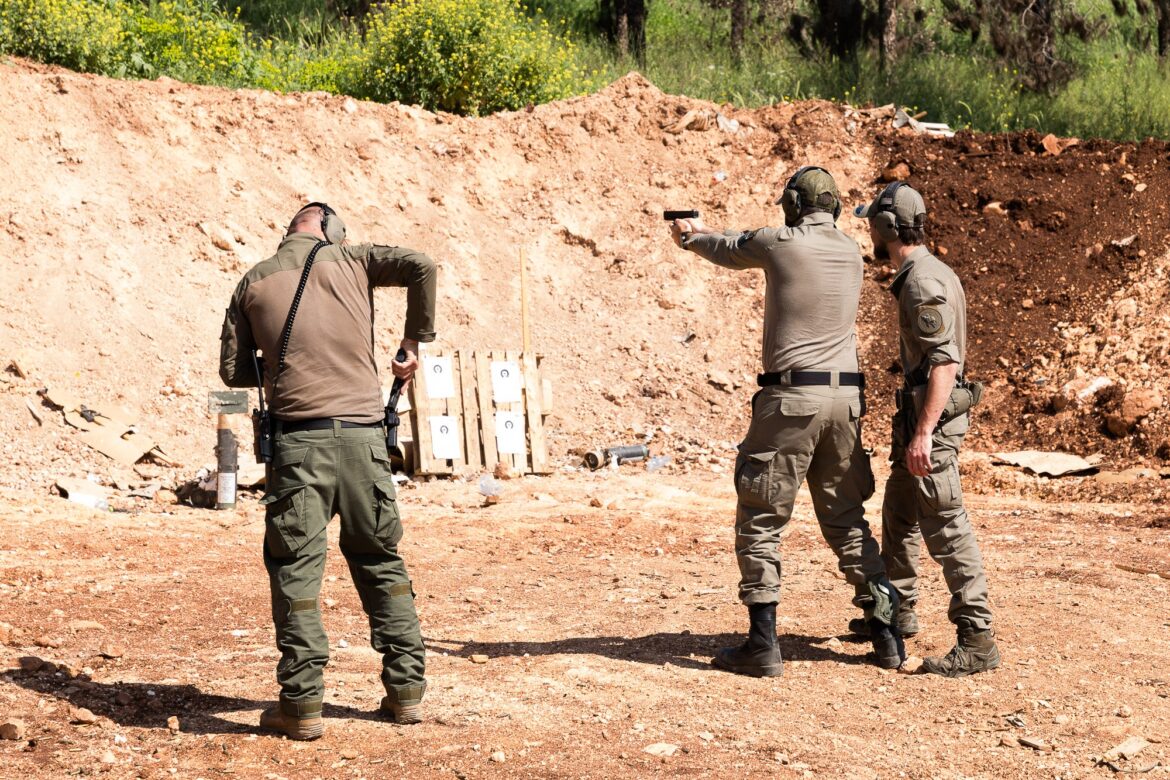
x=261 y=419
x=262 y=436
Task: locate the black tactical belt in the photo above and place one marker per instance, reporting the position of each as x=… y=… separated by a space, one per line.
x=811 y=379
x=320 y=424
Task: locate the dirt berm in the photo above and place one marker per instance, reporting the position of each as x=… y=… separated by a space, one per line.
x=131 y=208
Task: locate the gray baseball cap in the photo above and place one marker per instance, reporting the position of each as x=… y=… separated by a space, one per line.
x=898 y=198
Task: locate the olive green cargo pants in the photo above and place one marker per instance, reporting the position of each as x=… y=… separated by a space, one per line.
x=314 y=476
x=798 y=433
x=931 y=508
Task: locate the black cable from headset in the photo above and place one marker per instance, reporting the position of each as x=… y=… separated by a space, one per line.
x=292 y=312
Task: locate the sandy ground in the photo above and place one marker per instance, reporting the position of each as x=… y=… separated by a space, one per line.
x=598 y=625
x=142 y=203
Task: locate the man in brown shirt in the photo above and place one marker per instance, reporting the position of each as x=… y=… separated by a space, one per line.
x=806 y=419
x=329 y=455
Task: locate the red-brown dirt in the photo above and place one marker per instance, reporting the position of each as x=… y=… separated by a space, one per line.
x=135 y=207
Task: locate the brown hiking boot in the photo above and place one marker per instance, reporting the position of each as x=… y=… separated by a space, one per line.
x=273 y=718
x=975 y=652
x=403 y=714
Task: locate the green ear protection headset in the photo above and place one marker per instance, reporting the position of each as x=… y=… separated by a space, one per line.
x=793 y=203
x=331 y=224
x=885 y=222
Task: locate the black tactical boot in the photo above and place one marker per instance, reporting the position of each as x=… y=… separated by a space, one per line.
x=758 y=656
x=974 y=652
x=906 y=621
x=883 y=626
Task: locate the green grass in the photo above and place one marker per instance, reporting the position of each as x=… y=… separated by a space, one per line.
x=1121 y=90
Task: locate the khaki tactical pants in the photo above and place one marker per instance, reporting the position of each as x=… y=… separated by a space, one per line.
x=931 y=508
x=798 y=433
x=314 y=476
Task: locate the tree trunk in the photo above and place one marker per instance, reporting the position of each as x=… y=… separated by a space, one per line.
x=838 y=26
x=1043 y=40
x=636 y=29
x=738 y=25
x=1162 y=9
x=888 y=32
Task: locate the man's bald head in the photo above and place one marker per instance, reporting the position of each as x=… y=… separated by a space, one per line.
x=308 y=220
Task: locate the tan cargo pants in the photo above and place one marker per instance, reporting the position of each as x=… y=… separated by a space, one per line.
x=931 y=508
x=800 y=433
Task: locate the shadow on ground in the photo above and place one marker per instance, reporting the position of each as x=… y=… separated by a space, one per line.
x=148 y=705
x=691 y=651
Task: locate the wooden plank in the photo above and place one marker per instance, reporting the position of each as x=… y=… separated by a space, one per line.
x=487 y=417
x=424 y=408
x=416 y=424
x=467 y=384
x=533 y=398
x=454 y=408
x=519 y=462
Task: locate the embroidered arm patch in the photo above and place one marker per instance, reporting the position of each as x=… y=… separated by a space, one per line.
x=929 y=320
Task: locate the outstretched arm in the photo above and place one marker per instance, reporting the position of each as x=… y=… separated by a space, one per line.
x=730 y=249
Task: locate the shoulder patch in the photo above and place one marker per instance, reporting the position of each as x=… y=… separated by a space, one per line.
x=929 y=320
x=745 y=237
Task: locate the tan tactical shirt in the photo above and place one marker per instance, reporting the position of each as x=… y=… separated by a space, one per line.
x=813 y=274
x=932 y=315
x=330 y=369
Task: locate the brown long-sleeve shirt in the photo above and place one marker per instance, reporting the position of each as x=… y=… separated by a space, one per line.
x=330 y=370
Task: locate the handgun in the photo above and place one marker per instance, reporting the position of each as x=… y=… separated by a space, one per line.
x=671 y=216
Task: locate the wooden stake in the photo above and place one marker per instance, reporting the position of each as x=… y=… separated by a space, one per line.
x=524 y=300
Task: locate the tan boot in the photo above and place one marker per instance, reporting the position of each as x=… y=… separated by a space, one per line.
x=403 y=714
x=308 y=728
x=975 y=652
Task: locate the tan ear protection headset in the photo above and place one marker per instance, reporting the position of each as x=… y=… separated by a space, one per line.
x=885 y=222
x=793 y=204
x=331 y=224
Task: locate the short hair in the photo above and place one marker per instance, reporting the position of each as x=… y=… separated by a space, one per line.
x=911 y=235
x=307 y=215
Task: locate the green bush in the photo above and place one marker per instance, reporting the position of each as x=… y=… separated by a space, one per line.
x=76 y=34
x=189 y=40
x=464 y=56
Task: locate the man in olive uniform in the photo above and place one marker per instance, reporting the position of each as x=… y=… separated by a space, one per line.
x=923 y=496
x=309 y=309
x=806 y=419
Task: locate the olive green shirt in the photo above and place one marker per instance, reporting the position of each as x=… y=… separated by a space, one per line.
x=330 y=370
x=813 y=273
x=932 y=315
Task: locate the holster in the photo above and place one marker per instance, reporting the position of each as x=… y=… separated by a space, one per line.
x=964 y=397
x=262 y=436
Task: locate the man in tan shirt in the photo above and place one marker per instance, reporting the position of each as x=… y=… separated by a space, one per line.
x=806 y=419
x=330 y=453
x=924 y=498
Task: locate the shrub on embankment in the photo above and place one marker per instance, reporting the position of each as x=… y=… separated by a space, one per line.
x=464 y=56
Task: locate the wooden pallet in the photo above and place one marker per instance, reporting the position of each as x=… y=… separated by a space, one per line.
x=474 y=409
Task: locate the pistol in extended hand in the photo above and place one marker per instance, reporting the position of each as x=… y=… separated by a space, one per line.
x=671 y=216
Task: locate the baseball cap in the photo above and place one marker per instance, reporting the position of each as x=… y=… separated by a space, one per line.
x=903 y=202
x=813 y=185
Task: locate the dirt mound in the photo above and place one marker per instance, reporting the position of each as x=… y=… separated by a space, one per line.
x=141 y=203
x=1063 y=258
